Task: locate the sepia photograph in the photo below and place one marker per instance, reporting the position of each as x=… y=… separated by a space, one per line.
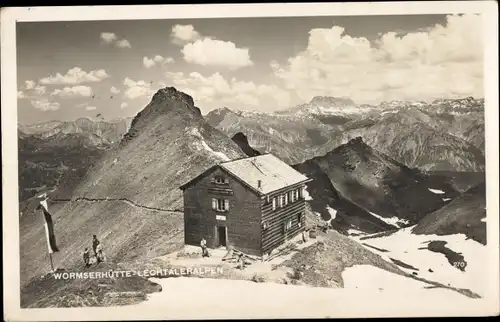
x=250 y=161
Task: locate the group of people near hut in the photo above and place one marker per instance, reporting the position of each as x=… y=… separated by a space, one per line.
x=240 y=261
x=98 y=252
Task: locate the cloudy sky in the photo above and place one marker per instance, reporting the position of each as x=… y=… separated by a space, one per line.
x=72 y=69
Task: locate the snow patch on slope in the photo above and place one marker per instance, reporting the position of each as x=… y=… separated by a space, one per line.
x=371 y=277
x=352 y=231
x=332 y=212
x=389 y=112
x=203 y=145
x=393 y=221
x=251 y=300
x=436 y=191
x=412 y=250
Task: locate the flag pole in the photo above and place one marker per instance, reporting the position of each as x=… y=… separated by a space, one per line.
x=51 y=263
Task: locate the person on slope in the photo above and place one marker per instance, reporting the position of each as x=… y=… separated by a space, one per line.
x=203 y=245
x=95 y=242
x=100 y=254
x=86 y=257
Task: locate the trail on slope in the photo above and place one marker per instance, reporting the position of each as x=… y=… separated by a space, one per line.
x=125 y=200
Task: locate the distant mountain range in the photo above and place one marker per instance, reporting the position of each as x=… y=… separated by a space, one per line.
x=109 y=132
x=445 y=135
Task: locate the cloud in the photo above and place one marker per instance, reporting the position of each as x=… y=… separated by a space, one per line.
x=29 y=84
x=40 y=90
x=147 y=62
x=213 y=52
x=443 y=60
x=86 y=106
x=216 y=89
x=150 y=62
x=114 y=90
x=136 y=89
x=111 y=38
x=108 y=37
x=183 y=34
x=84 y=91
x=31 y=90
x=158 y=59
x=75 y=76
x=123 y=105
x=123 y=43
x=45 y=105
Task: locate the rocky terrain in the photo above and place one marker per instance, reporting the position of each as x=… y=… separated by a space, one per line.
x=242 y=141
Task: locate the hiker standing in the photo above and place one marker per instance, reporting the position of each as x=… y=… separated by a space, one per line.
x=304 y=236
x=203 y=245
x=100 y=254
x=240 y=262
x=95 y=242
x=86 y=257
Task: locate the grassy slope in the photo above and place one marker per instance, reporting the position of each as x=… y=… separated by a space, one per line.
x=48 y=291
x=461 y=216
x=329 y=258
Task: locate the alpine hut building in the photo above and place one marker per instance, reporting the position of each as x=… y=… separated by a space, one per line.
x=253 y=204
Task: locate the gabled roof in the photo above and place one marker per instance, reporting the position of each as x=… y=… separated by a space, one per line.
x=272 y=173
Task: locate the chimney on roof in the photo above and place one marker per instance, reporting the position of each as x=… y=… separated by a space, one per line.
x=259 y=184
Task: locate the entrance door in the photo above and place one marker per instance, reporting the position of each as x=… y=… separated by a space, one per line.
x=221 y=236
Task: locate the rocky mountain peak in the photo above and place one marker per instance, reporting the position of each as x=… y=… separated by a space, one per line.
x=356 y=140
x=240 y=137
x=165 y=101
x=171 y=93
x=242 y=141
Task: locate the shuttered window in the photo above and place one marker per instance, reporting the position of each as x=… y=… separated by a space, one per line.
x=274 y=203
x=288 y=225
x=285 y=196
x=220 y=205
